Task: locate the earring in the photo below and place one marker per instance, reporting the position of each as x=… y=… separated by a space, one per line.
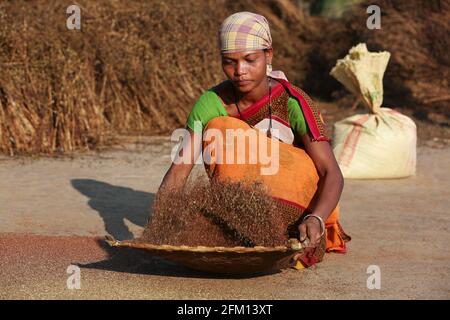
x=268 y=69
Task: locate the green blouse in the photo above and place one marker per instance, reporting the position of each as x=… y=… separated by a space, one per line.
x=209 y=106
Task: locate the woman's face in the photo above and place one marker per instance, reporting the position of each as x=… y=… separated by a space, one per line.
x=246 y=69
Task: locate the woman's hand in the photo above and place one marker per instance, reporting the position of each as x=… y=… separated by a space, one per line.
x=310 y=232
x=178 y=173
x=310 y=236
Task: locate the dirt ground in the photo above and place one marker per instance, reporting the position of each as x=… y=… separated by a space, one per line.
x=55 y=211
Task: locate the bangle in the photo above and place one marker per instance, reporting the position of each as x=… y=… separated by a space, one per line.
x=322 y=224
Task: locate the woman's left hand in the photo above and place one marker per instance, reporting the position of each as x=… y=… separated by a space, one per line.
x=310 y=231
x=310 y=234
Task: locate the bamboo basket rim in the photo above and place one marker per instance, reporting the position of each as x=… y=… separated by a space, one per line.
x=294 y=246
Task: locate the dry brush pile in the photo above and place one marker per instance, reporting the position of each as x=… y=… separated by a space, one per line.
x=134 y=66
x=138 y=66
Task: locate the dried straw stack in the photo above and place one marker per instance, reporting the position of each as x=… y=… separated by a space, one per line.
x=135 y=67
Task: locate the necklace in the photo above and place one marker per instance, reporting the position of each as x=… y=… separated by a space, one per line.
x=269 y=132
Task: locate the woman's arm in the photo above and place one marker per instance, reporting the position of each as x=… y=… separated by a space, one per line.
x=331 y=183
x=184 y=161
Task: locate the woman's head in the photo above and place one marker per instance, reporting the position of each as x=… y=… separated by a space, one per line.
x=246 y=48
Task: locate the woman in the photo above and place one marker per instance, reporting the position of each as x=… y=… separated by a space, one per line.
x=309 y=183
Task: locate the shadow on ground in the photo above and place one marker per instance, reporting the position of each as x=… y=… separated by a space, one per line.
x=115 y=204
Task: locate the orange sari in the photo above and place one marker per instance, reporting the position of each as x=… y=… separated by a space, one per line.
x=295 y=183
